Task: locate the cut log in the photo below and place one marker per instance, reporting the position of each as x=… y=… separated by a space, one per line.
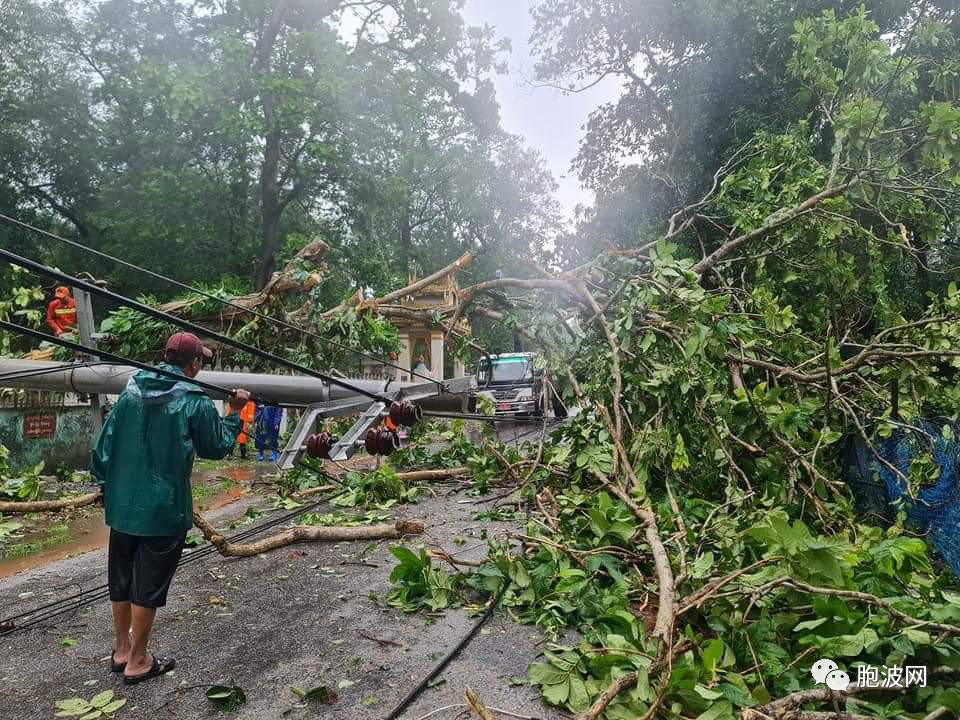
x=314 y=491
x=306 y=534
x=428 y=475
x=49 y=505
x=407 y=477
x=476 y=705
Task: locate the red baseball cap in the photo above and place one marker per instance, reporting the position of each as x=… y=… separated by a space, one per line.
x=185 y=346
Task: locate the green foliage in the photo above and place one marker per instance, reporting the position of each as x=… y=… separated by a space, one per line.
x=382 y=140
x=417 y=584
x=103 y=704
x=25 y=486
x=381 y=488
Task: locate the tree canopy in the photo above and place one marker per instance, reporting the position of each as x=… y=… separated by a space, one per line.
x=210 y=140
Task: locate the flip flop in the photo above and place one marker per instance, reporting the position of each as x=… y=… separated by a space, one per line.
x=115 y=666
x=160 y=666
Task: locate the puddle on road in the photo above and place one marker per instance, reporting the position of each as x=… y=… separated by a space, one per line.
x=85 y=534
x=88 y=533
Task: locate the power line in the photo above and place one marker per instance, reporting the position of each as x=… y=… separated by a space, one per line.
x=210 y=296
x=42 y=269
x=118 y=359
x=486 y=418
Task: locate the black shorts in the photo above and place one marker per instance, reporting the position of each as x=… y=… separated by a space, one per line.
x=140 y=568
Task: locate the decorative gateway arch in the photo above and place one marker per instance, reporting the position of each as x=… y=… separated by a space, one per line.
x=420 y=339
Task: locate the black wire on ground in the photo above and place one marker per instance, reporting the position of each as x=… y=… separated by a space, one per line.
x=211 y=296
x=42 y=269
x=439 y=667
x=86 y=597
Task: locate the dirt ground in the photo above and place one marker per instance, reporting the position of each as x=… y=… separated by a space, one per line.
x=303 y=616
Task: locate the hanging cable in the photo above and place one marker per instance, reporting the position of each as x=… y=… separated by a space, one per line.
x=489 y=418
x=117 y=359
x=211 y=296
x=42 y=269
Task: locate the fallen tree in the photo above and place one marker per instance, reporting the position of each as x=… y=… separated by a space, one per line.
x=691 y=522
x=34 y=506
x=306 y=534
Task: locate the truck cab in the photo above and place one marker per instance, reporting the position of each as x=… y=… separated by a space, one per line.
x=512 y=382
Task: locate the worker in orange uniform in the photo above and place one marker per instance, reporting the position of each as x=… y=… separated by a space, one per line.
x=247 y=414
x=62 y=312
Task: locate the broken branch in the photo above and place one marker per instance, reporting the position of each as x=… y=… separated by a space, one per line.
x=306 y=534
x=50 y=505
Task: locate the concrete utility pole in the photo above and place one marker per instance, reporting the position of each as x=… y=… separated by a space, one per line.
x=283 y=389
x=86 y=325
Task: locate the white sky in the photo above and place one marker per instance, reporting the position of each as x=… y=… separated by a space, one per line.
x=550 y=120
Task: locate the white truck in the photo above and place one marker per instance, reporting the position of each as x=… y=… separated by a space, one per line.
x=513 y=383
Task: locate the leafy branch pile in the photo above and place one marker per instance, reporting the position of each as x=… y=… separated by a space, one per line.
x=690 y=522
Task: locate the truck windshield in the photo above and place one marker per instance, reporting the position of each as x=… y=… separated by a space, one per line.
x=506 y=370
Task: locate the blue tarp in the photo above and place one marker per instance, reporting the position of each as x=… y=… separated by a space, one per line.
x=935 y=511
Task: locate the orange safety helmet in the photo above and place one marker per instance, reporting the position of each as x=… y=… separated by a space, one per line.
x=62 y=291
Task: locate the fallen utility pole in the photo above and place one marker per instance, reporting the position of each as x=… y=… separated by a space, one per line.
x=281 y=389
x=41 y=269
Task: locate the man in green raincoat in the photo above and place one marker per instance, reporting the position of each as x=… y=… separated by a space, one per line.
x=143 y=460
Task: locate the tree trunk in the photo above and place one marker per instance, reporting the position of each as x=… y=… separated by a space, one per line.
x=270 y=208
x=405 y=241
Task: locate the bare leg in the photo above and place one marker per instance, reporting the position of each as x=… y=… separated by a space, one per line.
x=121 y=627
x=139 y=660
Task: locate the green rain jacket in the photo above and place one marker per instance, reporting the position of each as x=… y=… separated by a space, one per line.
x=144 y=455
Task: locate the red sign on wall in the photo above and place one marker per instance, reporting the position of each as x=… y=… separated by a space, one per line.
x=39 y=425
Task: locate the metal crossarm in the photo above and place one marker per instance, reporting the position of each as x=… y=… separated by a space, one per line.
x=296 y=446
x=344 y=448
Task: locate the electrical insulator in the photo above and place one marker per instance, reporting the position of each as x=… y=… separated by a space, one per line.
x=387 y=442
x=381 y=441
x=319 y=444
x=370 y=441
x=405 y=413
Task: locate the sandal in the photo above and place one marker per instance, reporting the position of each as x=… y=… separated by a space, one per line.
x=115 y=666
x=160 y=667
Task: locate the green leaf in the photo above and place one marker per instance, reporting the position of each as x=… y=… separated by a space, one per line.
x=558 y=693
x=101 y=699
x=707 y=693
x=579 y=698
x=712 y=657
x=718 y=711
x=111 y=708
